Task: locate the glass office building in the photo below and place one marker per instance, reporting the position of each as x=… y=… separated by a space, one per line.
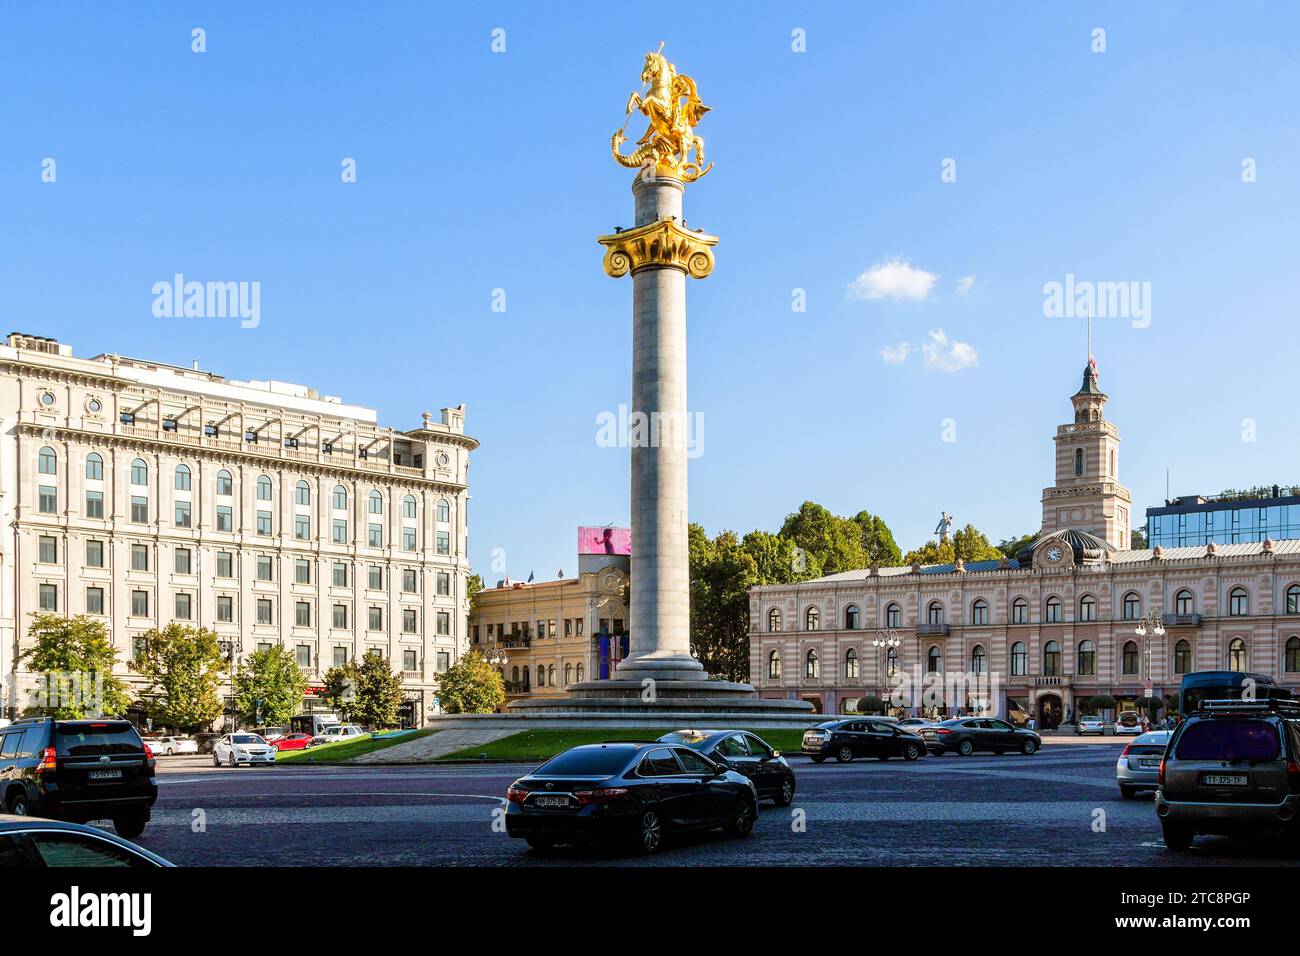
x=1196 y=521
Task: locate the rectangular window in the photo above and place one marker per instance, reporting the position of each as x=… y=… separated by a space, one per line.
x=94 y=504
x=302 y=527
x=304 y=655
x=139 y=603
x=340 y=656
x=375 y=621
x=409 y=624
x=302 y=571
x=444 y=542
x=444 y=661
x=265 y=568
x=49 y=597
x=409 y=580
x=302 y=614
x=265 y=614
x=225 y=608
x=184 y=561
x=376 y=536
x=409 y=662
x=94 y=554
x=49 y=500
x=408 y=539
x=541 y=630
x=568 y=627
x=444 y=583
x=225 y=518
x=94 y=600
x=47 y=549
x=340 y=574
x=444 y=622
x=340 y=531
x=139 y=557
x=264 y=523
x=183 y=607
x=225 y=564
x=577 y=626
x=139 y=509
x=340 y=615
x=376 y=577
x=182 y=514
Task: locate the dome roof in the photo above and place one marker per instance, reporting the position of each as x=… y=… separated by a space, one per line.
x=1087 y=548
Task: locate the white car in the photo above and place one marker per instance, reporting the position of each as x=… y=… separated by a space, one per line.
x=1092 y=725
x=173 y=745
x=1128 y=723
x=237 y=748
x=333 y=735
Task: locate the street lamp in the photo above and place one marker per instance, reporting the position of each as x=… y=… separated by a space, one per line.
x=884 y=638
x=1152 y=624
x=231 y=650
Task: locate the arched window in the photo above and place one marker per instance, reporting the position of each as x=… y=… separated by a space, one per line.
x=541 y=676
x=263 y=488
x=774 y=619
x=528 y=678
x=47 y=462
x=568 y=674
x=1293 y=599
x=893 y=616
x=1053 y=610
x=550 y=674
x=1129 y=661
x=1292 y=662
x=934 y=613
x=774 y=665
x=891 y=663
x=1019 y=659
x=1182 y=657
x=581 y=671
x=1238 y=602
x=1086 y=663
x=979 y=661
x=1132 y=606
x=1020 y=611
x=514 y=674
x=810 y=619
x=302 y=493
x=1184 y=603
x=376 y=503
x=225 y=484
x=1052 y=659
x=1078 y=462
x=934 y=660
x=408 y=506
x=850 y=664
x=812 y=668
x=139 y=472
x=851 y=617
x=182 y=480
x=979 y=612
x=340 y=498
x=1087 y=608
x=1237 y=655
x=94 y=467
x=444 y=510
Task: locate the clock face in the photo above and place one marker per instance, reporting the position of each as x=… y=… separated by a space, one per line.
x=1054 y=553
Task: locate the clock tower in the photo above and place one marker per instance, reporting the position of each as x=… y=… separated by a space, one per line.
x=1087 y=495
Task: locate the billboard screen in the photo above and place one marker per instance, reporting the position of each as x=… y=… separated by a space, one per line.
x=605 y=541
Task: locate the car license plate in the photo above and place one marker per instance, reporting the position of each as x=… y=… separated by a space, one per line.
x=1149 y=763
x=105 y=775
x=1224 y=780
x=927 y=733
x=551 y=801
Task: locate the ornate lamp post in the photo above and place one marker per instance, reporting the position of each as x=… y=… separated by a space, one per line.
x=887 y=637
x=1152 y=624
x=231 y=650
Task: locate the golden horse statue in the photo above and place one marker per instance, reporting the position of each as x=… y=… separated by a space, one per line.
x=673 y=107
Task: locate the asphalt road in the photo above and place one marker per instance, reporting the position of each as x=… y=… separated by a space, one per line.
x=1057 y=807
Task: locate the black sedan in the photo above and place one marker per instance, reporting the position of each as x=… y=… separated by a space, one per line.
x=637 y=793
x=861 y=737
x=966 y=735
x=743 y=752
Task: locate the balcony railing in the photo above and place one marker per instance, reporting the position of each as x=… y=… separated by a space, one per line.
x=1182 y=620
x=932 y=630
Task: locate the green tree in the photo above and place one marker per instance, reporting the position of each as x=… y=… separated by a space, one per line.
x=340 y=685
x=473 y=584
x=871 y=704
x=74 y=660
x=471 y=686
x=721 y=572
x=182 y=667
x=1012 y=546
x=777 y=560
x=969 y=544
x=379 y=693
x=878 y=542
x=832 y=543
x=1137 y=540
x=269 y=686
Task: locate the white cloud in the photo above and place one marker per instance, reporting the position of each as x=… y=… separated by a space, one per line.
x=943 y=355
x=965 y=284
x=893 y=279
x=897 y=354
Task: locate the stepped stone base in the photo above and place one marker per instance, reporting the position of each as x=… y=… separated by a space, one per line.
x=676 y=700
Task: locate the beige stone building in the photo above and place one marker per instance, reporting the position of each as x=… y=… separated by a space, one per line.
x=140 y=493
x=1040 y=631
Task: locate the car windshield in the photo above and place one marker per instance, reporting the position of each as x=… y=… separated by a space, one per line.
x=588 y=762
x=81 y=740
x=1229 y=740
x=248 y=739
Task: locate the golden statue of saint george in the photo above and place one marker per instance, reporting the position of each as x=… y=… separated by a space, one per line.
x=673 y=107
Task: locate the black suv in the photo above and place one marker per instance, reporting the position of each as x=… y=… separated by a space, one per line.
x=1231 y=767
x=78 y=770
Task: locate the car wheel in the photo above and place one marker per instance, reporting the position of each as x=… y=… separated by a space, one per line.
x=818 y=759
x=170 y=752
x=130 y=827
x=741 y=821
x=1127 y=792
x=540 y=844
x=215 y=761
x=965 y=748
x=786 y=796
x=911 y=752
x=1029 y=746
x=233 y=762
x=650 y=831
x=1178 y=836
x=18 y=805
x=844 y=755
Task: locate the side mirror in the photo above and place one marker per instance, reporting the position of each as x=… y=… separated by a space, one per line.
x=719 y=769
x=776 y=753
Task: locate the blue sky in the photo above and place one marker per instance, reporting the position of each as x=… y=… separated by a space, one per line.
x=479 y=171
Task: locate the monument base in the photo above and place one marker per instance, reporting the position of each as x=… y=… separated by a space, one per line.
x=721 y=702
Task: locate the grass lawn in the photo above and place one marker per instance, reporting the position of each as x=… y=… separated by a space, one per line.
x=334 y=753
x=544 y=744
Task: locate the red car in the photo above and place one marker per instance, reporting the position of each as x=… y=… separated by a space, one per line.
x=291 y=742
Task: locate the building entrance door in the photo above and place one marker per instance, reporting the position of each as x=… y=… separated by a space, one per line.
x=1049 y=712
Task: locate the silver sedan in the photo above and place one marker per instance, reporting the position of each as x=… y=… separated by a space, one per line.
x=1138 y=766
